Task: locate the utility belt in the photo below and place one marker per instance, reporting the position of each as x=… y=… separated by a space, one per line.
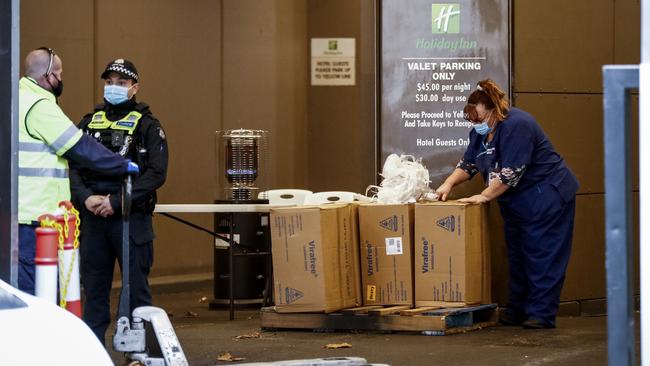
x=147 y=206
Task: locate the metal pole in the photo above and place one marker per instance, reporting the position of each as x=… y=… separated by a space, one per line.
x=124 y=307
x=9 y=70
x=231 y=268
x=618 y=81
x=644 y=179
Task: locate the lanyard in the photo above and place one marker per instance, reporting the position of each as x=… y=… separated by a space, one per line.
x=485 y=148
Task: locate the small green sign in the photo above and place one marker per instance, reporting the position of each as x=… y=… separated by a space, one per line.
x=445 y=18
x=333 y=45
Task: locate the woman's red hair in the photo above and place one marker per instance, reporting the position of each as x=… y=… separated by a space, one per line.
x=491 y=96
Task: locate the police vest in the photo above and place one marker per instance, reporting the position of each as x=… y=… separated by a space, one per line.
x=118 y=136
x=42 y=174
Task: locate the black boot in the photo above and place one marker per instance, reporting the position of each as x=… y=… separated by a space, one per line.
x=509 y=317
x=533 y=323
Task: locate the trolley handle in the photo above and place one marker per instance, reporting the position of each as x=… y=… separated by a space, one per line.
x=125 y=298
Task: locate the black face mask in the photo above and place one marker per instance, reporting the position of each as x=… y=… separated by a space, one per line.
x=58 y=90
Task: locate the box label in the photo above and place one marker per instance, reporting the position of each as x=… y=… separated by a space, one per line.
x=448 y=223
x=390 y=223
x=371 y=257
x=372 y=293
x=428 y=258
x=394 y=246
x=310 y=258
x=291 y=295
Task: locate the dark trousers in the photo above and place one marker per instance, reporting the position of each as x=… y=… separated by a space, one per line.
x=538 y=236
x=101 y=245
x=26 y=254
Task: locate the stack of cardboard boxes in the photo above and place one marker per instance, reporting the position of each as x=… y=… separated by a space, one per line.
x=330 y=257
x=315 y=258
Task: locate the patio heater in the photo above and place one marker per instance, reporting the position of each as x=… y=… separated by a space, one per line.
x=242 y=159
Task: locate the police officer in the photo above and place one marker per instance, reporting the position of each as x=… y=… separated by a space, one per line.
x=536 y=194
x=47 y=142
x=130 y=129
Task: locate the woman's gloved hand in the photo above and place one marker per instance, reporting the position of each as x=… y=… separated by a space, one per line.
x=444 y=190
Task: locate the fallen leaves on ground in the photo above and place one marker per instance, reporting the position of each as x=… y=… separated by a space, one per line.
x=338 y=345
x=249 y=335
x=191 y=314
x=227 y=357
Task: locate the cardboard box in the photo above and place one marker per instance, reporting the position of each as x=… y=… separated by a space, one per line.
x=452 y=258
x=386 y=243
x=315 y=258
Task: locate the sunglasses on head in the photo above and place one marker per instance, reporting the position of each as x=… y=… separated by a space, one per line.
x=49 y=63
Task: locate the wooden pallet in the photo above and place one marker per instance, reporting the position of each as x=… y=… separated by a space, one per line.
x=427 y=320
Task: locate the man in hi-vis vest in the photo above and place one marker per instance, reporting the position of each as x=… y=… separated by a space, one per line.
x=47 y=140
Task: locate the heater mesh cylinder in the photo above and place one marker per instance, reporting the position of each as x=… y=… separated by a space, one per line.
x=242 y=156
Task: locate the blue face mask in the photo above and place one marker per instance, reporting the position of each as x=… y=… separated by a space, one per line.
x=482 y=128
x=116 y=94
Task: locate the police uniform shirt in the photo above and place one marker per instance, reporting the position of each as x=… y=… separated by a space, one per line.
x=153 y=173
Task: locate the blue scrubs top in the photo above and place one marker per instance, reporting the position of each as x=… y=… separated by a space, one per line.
x=521 y=156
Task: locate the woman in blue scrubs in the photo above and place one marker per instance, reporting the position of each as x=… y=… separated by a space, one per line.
x=536 y=194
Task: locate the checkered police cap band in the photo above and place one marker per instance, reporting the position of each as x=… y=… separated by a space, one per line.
x=123 y=70
x=122 y=67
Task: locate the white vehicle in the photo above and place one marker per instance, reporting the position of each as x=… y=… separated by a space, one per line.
x=34 y=331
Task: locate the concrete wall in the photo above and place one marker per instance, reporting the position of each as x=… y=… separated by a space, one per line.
x=208 y=65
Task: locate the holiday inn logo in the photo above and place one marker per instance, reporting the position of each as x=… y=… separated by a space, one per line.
x=445 y=18
x=332 y=45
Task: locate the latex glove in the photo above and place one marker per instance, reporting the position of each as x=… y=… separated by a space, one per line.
x=443 y=191
x=132 y=168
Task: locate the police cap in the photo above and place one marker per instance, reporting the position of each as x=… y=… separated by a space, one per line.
x=123 y=67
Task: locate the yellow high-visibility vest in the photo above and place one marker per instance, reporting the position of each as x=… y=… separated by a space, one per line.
x=45 y=133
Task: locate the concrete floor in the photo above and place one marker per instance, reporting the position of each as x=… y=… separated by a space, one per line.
x=205 y=334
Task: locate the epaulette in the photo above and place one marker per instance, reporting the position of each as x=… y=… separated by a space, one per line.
x=143 y=108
